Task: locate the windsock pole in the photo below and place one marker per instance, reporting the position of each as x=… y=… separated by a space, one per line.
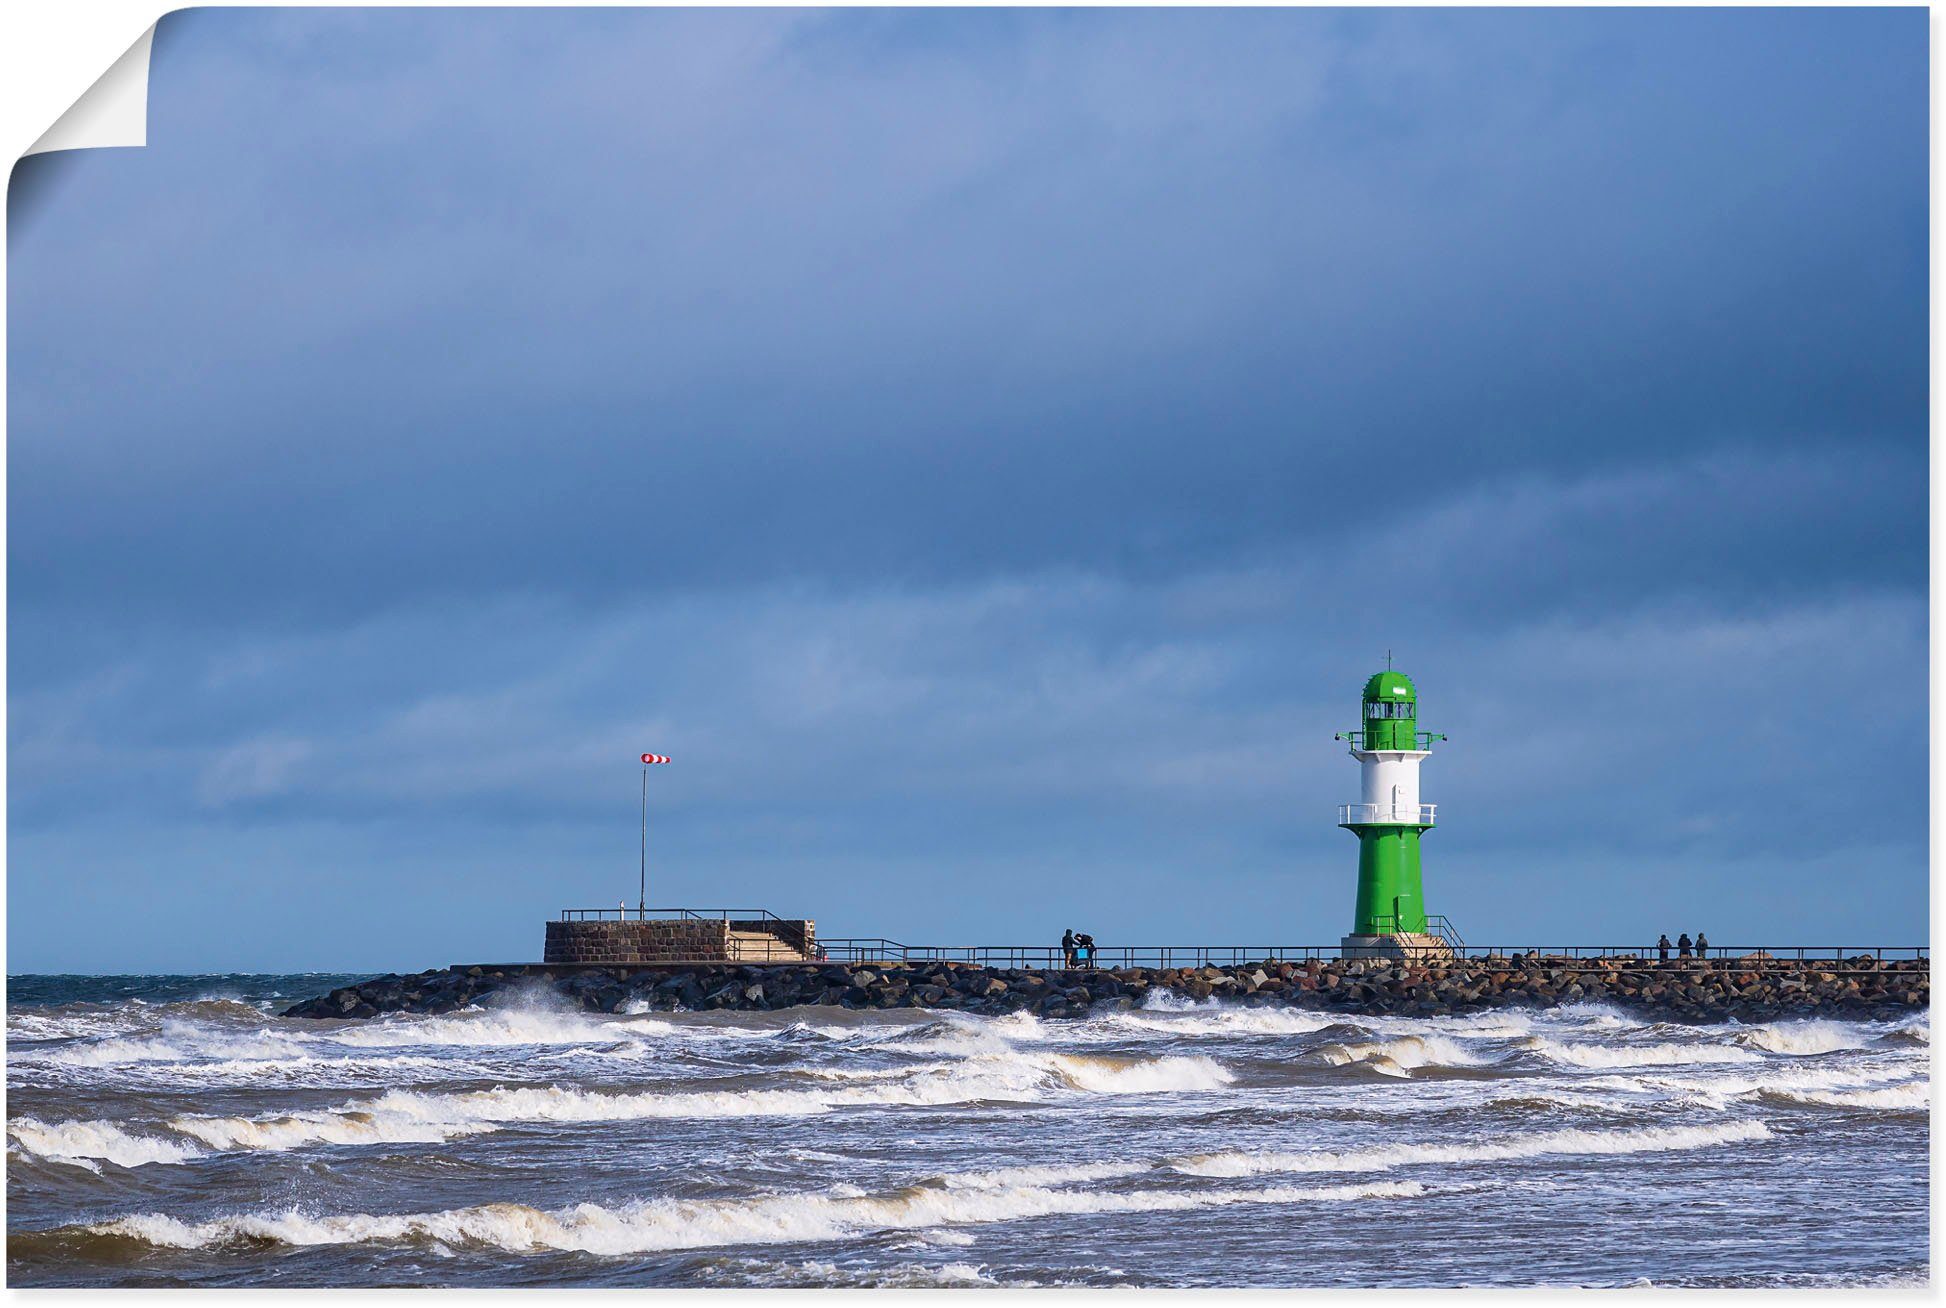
x=642 y=895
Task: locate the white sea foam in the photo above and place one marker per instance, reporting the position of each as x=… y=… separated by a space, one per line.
x=1595 y=1016
x=1015 y=1071
x=961 y=1037
x=1703 y=1085
x=178 y=1042
x=1384 y=1158
x=414 y=1116
x=1521 y=1098
x=186 y=1055
x=1490 y=1024
x=408 y=1116
x=665 y=1224
x=501 y=1027
x=868 y=1073
x=1913 y=1094
x=1221 y=1021
x=1380 y=1158
x=1217 y=1020
x=86 y=1143
x=318 y=1069
x=1128 y=1076
x=1037 y=1177
x=297 y=1130
x=1399 y=1056
x=907 y=1276
x=1175 y=1016
x=1808 y=1037
x=229 y=1047
x=949 y=1239
x=1171 y=1014
x=1622 y=1055
x=1917 y=1029
x=31 y=1025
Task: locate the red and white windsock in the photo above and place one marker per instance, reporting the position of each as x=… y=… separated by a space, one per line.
x=655 y=758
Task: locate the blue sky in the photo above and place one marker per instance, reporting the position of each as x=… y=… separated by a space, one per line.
x=988 y=450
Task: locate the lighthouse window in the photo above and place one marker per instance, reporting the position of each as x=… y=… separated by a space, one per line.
x=1388 y=709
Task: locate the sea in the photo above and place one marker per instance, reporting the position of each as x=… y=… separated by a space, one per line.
x=173 y=1131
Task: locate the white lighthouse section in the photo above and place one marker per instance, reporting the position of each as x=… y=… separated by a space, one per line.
x=1389 y=785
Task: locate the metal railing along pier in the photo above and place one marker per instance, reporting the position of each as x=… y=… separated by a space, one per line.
x=761 y=942
x=623 y=913
x=873 y=949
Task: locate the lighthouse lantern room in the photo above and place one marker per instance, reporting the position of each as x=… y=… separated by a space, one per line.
x=1390 y=919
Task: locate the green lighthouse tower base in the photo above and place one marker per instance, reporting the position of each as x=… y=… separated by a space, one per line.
x=1389 y=918
x=1391 y=898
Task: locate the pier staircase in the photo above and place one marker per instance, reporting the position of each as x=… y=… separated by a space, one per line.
x=750 y=944
x=1438 y=942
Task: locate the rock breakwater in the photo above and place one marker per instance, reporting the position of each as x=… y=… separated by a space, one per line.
x=1749 y=989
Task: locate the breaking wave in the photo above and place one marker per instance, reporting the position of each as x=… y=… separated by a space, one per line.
x=178 y=1041
x=757 y=1274
x=1914 y=1031
x=424 y=1117
x=1397 y=1057
x=1133 y=1076
x=1905 y=1098
x=1384 y=1158
x=663 y=1224
x=86 y=1144
x=1717 y=1087
x=1656 y=1055
x=1379 y=1158
x=505 y=1027
x=234 y=1137
x=1810 y=1037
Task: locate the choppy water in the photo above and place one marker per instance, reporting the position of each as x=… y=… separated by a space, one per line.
x=169 y=1130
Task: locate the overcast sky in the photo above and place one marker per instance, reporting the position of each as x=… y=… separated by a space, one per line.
x=987 y=450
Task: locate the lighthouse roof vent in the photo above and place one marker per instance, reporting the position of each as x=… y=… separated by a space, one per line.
x=1390 y=686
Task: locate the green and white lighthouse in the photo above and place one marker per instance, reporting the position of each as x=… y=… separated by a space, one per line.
x=1390 y=917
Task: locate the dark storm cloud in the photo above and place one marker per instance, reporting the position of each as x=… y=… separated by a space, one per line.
x=933 y=302
x=980 y=441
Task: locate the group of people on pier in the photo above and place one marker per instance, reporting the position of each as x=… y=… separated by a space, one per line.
x=1683 y=945
x=1077 y=950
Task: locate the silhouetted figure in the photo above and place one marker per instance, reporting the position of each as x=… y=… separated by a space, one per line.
x=1067 y=947
x=1662 y=946
x=1084 y=950
x=1702 y=945
x=1682 y=945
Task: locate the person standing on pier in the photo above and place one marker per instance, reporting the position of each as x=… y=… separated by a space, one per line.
x=1662 y=946
x=1067 y=947
x=1702 y=945
x=1682 y=945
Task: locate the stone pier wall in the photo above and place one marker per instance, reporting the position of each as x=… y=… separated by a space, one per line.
x=678 y=940
x=1752 y=989
x=657 y=941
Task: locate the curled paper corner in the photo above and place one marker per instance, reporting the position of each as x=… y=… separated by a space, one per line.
x=112 y=112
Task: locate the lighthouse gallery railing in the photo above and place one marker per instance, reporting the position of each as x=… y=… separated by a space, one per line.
x=1405 y=814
